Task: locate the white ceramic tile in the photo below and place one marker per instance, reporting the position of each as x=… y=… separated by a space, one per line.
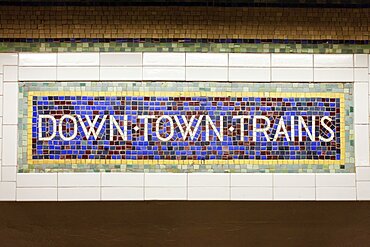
x=8 y=59
x=165 y=193
x=335 y=193
x=1 y=84
x=333 y=60
x=78 y=59
x=251 y=179
x=77 y=73
x=10 y=149
x=10 y=73
x=1 y=129
x=10 y=98
x=8 y=174
x=78 y=179
x=121 y=73
x=249 y=74
x=1 y=105
x=363 y=173
x=208 y=193
x=291 y=60
x=294 y=193
x=163 y=59
x=164 y=73
x=37 y=73
x=251 y=193
x=122 y=179
x=292 y=74
x=122 y=193
x=363 y=190
x=37 y=194
x=361 y=145
x=120 y=59
x=361 y=75
x=249 y=60
x=294 y=179
x=338 y=179
x=1 y=149
x=333 y=75
x=361 y=104
x=79 y=194
x=165 y=179
x=204 y=179
x=37 y=59
x=7 y=191
x=206 y=74
x=206 y=59
x=361 y=60
x=37 y=180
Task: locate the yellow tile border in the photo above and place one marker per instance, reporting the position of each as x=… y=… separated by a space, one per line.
x=31 y=161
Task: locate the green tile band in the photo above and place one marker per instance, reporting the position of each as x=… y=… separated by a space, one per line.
x=183 y=47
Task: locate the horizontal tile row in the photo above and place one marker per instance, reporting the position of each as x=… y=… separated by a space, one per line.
x=189 y=59
x=186 y=179
x=8 y=191
x=206 y=73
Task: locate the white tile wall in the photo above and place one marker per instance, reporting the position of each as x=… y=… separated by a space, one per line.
x=207 y=179
x=206 y=59
x=361 y=145
x=122 y=193
x=294 y=179
x=10 y=99
x=333 y=74
x=291 y=60
x=163 y=59
x=8 y=59
x=294 y=193
x=361 y=103
x=208 y=193
x=166 y=179
x=165 y=193
x=164 y=73
x=10 y=149
x=252 y=193
x=7 y=191
x=37 y=180
x=78 y=59
x=251 y=179
x=10 y=73
x=77 y=73
x=292 y=74
x=120 y=179
x=121 y=59
x=79 y=194
x=335 y=193
x=37 y=73
x=182 y=67
x=121 y=73
x=361 y=60
x=206 y=73
x=38 y=194
x=78 y=179
x=37 y=59
x=249 y=74
x=249 y=60
x=333 y=60
x=335 y=180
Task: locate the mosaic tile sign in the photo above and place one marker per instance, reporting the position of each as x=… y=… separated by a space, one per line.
x=162 y=128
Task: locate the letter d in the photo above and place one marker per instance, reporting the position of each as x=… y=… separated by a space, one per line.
x=41 y=138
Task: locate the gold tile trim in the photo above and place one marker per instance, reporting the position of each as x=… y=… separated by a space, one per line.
x=187 y=162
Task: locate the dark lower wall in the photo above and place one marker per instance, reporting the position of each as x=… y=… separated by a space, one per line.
x=185 y=224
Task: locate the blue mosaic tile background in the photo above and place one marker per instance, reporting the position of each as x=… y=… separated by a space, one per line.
x=151 y=87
